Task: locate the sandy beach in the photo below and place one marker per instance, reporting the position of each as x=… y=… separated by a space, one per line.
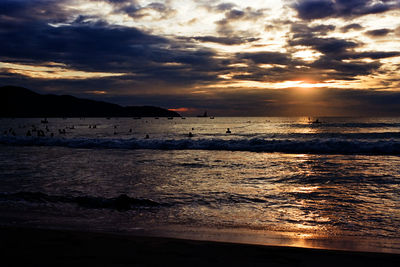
x=41 y=247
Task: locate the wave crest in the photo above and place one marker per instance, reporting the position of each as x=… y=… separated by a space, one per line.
x=312 y=146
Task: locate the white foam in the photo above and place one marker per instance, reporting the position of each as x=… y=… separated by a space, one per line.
x=315 y=146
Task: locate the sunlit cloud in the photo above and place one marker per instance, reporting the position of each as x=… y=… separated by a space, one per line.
x=52 y=71
x=96 y=92
x=307 y=55
x=179 y=109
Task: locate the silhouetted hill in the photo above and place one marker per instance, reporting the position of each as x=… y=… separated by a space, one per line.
x=21 y=102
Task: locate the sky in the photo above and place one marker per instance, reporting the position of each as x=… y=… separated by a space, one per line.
x=230 y=58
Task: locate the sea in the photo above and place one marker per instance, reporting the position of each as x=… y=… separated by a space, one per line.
x=329 y=182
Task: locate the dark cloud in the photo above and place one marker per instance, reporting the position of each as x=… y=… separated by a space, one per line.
x=315 y=9
x=224 y=27
x=225 y=6
x=135 y=10
x=89 y=44
x=84 y=46
x=274 y=67
x=333 y=46
x=118 y=1
x=352 y=26
x=318 y=9
x=301 y=30
x=163 y=10
x=266 y=57
x=378 y=33
x=277 y=25
x=345 y=70
x=371 y=55
x=323 y=29
x=235 y=14
x=19 y=12
x=339 y=59
x=131 y=10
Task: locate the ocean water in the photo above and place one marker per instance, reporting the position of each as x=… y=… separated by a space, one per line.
x=277 y=181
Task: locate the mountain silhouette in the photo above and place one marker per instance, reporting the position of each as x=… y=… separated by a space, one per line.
x=20 y=102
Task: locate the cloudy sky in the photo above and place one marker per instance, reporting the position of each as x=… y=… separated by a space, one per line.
x=233 y=57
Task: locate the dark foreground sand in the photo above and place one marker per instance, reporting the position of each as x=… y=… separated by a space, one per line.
x=34 y=247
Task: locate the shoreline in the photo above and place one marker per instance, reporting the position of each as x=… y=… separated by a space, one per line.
x=44 y=247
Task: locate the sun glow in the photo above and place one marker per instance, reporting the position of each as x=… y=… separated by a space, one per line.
x=271 y=85
x=299 y=84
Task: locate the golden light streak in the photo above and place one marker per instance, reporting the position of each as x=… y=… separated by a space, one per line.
x=238 y=65
x=277 y=85
x=270 y=66
x=53 y=71
x=97 y=92
x=173 y=64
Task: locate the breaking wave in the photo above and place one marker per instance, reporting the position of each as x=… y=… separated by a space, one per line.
x=256 y=144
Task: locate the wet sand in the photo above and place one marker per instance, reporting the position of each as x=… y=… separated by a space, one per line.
x=39 y=247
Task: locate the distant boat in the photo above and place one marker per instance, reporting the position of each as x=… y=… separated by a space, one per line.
x=170 y=118
x=183 y=118
x=156 y=118
x=211 y=117
x=316 y=121
x=44 y=121
x=137 y=118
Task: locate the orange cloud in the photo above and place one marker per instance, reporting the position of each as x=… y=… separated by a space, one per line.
x=179 y=109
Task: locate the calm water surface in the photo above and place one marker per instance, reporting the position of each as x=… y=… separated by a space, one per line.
x=284 y=181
